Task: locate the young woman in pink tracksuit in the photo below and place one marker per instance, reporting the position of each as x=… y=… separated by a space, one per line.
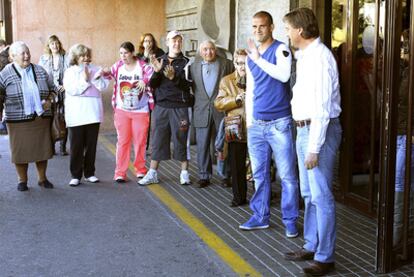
x=132 y=100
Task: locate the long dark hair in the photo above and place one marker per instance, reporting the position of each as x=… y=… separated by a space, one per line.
x=141 y=48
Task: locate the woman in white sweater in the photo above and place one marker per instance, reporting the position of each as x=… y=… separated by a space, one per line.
x=83 y=112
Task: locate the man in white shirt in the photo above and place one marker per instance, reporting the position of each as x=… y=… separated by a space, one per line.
x=315 y=109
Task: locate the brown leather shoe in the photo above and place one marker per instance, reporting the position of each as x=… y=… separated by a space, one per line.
x=319 y=269
x=202 y=183
x=300 y=255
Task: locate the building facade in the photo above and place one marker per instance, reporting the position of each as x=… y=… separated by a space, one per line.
x=366 y=37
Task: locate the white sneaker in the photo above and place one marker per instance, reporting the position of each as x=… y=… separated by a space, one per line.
x=119 y=179
x=92 y=179
x=149 y=178
x=140 y=175
x=74 y=182
x=185 y=178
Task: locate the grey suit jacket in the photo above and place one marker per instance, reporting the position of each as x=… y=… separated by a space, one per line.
x=204 y=109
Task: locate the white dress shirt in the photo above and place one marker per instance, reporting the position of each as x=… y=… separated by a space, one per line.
x=316 y=91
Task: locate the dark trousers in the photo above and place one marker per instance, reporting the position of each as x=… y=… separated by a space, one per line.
x=149 y=130
x=83 y=140
x=204 y=137
x=237 y=155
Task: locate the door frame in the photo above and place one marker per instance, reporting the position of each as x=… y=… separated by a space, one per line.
x=388 y=122
x=6 y=17
x=389 y=257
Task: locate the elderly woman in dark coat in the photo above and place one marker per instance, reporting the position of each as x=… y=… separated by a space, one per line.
x=25 y=96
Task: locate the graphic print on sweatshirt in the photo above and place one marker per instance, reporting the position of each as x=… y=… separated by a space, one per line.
x=129 y=97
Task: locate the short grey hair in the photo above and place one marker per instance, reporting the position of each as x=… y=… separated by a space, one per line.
x=16 y=47
x=206 y=42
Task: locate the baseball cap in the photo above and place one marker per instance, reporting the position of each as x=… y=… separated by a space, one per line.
x=173 y=34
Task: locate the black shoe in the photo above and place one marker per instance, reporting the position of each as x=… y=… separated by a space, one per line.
x=202 y=183
x=22 y=186
x=236 y=204
x=226 y=183
x=245 y=202
x=46 y=184
x=233 y=204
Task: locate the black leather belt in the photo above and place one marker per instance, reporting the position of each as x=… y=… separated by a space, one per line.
x=302 y=123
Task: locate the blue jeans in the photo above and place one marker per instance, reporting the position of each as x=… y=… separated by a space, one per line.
x=222 y=169
x=400 y=164
x=263 y=138
x=399 y=188
x=316 y=189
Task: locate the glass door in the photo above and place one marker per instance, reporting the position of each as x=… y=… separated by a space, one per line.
x=403 y=210
x=355 y=42
x=373 y=44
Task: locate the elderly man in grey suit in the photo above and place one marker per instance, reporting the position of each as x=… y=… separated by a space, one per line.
x=207 y=72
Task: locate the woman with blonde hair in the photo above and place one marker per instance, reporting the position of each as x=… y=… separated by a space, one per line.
x=83 y=112
x=55 y=61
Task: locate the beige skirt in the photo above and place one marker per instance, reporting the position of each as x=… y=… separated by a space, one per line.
x=30 y=141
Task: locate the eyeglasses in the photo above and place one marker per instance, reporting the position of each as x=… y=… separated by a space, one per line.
x=240 y=63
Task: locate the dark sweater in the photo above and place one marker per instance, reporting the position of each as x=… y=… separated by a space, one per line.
x=173 y=93
x=158 y=53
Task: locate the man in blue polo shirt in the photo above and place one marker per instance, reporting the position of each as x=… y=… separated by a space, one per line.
x=269 y=122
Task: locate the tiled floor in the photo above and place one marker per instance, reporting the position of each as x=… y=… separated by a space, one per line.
x=263 y=249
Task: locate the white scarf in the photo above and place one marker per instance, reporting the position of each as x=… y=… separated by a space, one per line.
x=31 y=93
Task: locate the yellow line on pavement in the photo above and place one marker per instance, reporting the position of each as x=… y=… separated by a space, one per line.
x=228 y=255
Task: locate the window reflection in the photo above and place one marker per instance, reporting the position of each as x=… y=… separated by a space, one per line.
x=403 y=139
x=365 y=118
